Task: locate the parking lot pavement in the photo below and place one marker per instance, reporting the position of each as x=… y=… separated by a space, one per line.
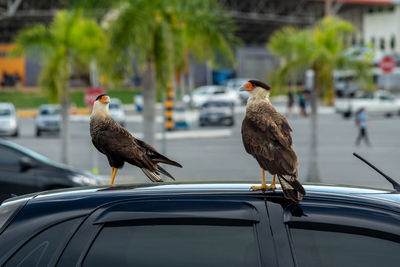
x=217 y=153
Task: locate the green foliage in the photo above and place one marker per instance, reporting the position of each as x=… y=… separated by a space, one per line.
x=322 y=49
x=32 y=100
x=165 y=32
x=71 y=39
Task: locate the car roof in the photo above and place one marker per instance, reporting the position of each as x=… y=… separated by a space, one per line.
x=7 y=105
x=115 y=101
x=49 y=106
x=104 y=194
x=210 y=87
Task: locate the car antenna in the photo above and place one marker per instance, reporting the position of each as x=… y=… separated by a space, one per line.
x=396 y=185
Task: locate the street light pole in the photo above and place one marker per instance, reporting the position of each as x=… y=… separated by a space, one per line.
x=328 y=8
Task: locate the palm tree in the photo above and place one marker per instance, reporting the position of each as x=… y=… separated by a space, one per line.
x=160 y=34
x=69 y=40
x=322 y=50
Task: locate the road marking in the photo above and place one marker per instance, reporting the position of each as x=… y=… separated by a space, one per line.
x=190 y=134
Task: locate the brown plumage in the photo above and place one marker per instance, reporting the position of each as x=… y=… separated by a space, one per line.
x=266 y=136
x=120 y=146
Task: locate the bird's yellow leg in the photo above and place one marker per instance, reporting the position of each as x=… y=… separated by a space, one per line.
x=273 y=185
x=263 y=185
x=113 y=174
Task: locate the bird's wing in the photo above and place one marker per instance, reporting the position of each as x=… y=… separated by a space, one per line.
x=118 y=144
x=266 y=136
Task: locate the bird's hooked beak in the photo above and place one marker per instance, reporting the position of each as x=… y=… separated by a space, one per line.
x=247 y=87
x=105 y=99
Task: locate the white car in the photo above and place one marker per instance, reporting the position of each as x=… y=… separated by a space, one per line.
x=205 y=93
x=379 y=103
x=233 y=86
x=48 y=119
x=117 y=111
x=8 y=120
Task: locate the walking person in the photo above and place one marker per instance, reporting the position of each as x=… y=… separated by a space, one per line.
x=362 y=123
x=290 y=103
x=302 y=104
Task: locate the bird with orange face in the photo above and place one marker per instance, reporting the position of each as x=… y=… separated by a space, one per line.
x=266 y=136
x=120 y=146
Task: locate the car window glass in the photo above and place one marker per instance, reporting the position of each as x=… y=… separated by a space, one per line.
x=114 y=106
x=9 y=158
x=50 y=112
x=5 y=112
x=174 y=245
x=40 y=250
x=332 y=249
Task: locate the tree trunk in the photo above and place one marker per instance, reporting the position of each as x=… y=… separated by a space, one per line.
x=65 y=131
x=313 y=169
x=191 y=78
x=149 y=102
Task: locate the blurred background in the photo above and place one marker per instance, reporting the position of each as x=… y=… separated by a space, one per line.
x=173 y=71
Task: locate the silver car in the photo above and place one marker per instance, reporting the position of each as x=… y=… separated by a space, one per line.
x=117 y=111
x=8 y=120
x=48 y=119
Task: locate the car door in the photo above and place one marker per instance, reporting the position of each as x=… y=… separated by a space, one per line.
x=14 y=178
x=187 y=231
x=333 y=233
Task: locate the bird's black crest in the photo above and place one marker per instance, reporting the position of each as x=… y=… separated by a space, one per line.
x=100 y=96
x=260 y=84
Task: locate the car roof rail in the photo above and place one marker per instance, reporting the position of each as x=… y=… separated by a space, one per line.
x=5 y=196
x=396 y=185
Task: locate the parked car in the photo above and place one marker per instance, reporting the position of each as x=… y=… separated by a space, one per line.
x=8 y=120
x=201 y=225
x=203 y=94
x=181 y=116
x=48 y=119
x=117 y=111
x=217 y=112
x=233 y=86
x=24 y=171
x=379 y=103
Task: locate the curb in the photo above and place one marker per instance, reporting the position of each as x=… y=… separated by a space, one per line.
x=29 y=113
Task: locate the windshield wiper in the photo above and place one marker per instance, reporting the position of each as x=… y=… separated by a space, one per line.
x=396 y=185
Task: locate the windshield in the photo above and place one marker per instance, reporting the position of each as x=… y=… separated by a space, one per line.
x=215 y=104
x=47 y=112
x=114 y=106
x=31 y=153
x=5 y=112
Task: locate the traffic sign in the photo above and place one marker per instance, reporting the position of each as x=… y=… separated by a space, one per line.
x=387 y=64
x=92 y=94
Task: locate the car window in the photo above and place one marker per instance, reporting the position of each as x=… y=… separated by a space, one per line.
x=50 y=112
x=385 y=97
x=174 y=245
x=114 y=106
x=5 y=112
x=45 y=247
x=330 y=249
x=9 y=158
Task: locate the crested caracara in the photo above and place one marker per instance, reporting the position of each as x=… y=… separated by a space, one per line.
x=120 y=146
x=266 y=136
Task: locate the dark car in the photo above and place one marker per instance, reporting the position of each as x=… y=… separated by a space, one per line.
x=201 y=225
x=24 y=171
x=217 y=112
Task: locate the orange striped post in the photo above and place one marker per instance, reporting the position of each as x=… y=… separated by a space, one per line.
x=169 y=109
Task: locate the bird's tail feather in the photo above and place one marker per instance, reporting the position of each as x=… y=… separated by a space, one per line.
x=291 y=187
x=166 y=160
x=154 y=177
x=163 y=171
